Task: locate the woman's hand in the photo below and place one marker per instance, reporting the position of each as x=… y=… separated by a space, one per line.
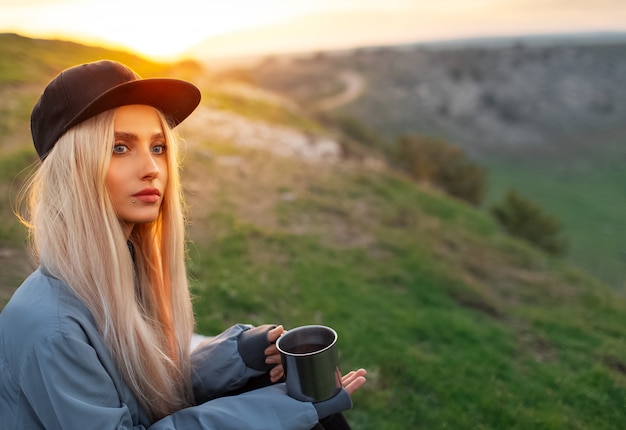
x=354 y=380
x=341 y=401
x=272 y=355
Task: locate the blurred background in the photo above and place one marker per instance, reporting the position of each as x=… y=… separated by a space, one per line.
x=441 y=182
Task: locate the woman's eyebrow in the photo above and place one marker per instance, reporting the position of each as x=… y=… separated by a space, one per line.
x=132 y=136
x=125 y=135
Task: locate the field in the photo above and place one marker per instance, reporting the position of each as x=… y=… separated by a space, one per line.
x=458 y=325
x=586 y=194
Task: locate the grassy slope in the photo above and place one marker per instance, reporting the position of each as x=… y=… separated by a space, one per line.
x=458 y=325
x=585 y=192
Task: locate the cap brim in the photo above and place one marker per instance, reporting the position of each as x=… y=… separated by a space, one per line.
x=176 y=99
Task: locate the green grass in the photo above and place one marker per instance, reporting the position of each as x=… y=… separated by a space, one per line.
x=14 y=263
x=434 y=364
x=458 y=325
x=586 y=194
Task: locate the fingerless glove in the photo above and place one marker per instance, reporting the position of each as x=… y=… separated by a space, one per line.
x=251 y=344
x=339 y=402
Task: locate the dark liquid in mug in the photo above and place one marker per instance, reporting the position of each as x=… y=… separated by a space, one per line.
x=307 y=348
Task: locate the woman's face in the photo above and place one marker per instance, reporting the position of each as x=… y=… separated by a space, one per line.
x=137 y=174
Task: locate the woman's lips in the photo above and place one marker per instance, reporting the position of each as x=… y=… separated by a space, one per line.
x=148 y=195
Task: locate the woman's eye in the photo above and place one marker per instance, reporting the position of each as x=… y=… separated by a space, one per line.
x=119 y=148
x=159 y=149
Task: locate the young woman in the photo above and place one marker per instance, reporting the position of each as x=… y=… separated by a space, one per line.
x=98 y=336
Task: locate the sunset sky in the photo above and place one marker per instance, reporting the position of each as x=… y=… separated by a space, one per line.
x=164 y=29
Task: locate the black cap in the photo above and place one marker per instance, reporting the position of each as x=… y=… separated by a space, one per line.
x=83 y=91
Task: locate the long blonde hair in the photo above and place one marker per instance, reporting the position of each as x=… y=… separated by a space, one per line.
x=142 y=308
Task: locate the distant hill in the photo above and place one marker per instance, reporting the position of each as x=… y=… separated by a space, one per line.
x=489 y=95
x=545 y=115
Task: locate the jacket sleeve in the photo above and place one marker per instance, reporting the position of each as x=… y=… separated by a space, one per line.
x=71 y=389
x=267 y=408
x=224 y=363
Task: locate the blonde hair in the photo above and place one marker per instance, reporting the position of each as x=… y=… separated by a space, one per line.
x=142 y=308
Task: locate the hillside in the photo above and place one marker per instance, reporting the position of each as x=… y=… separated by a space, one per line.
x=491 y=98
x=546 y=117
x=459 y=325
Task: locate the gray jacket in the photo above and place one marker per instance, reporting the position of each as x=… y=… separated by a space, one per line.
x=57 y=373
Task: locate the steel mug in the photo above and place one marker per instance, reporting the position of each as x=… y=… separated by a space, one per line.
x=311 y=362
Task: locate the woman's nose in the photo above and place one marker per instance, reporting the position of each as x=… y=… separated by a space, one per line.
x=149 y=166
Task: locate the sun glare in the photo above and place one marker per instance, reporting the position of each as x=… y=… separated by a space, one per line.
x=161 y=29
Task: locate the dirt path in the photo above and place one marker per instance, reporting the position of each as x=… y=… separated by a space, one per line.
x=353 y=88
